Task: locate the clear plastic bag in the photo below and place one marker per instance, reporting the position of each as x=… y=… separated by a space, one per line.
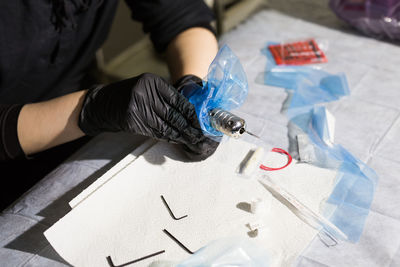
x=228 y=252
x=225 y=87
x=349 y=204
x=377 y=18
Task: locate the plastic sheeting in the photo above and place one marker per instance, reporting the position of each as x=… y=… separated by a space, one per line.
x=349 y=204
x=308 y=86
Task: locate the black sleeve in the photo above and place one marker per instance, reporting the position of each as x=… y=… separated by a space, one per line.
x=165 y=19
x=9 y=144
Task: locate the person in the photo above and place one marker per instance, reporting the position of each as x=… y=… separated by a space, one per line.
x=46 y=50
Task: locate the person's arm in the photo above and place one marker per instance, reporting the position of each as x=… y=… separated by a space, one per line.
x=47 y=124
x=189 y=56
x=191 y=52
x=182 y=29
x=145 y=105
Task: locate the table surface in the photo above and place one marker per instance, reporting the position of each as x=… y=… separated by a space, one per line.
x=367 y=124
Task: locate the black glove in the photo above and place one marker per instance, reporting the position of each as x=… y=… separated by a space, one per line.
x=205 y=147
x=145 y=105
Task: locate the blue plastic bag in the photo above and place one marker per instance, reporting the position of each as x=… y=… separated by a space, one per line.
x=308 y=86
x=348 y=205
x=225 y=87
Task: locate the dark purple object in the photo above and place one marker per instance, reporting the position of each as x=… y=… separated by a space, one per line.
x=377 y=18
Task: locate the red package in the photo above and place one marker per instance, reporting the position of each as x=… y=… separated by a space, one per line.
x=298 y=53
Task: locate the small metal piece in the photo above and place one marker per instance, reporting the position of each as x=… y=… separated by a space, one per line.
x=227 y=123
x=110 y=262
x=177 y=241
x=170 y=211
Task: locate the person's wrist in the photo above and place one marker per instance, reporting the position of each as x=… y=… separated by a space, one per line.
x=86 y=123
x=188 y=80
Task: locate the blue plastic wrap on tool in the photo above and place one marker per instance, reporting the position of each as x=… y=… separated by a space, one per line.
x=348 y=205
x=228 y=252
x=225 y=87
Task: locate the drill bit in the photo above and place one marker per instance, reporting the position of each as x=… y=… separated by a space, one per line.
x=250 y=133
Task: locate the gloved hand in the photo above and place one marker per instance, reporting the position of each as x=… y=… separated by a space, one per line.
x=145 y=105
x=206 y=146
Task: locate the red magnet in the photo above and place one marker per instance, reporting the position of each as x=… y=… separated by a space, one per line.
x=278 y=150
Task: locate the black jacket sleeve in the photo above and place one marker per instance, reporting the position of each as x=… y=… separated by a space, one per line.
x=165 y=19
x=9 y=144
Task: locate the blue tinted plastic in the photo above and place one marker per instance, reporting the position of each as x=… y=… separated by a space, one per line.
x=225 y=87
x=348 y=205
x=308 y=86
x=352 y=196
x=228 y=252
